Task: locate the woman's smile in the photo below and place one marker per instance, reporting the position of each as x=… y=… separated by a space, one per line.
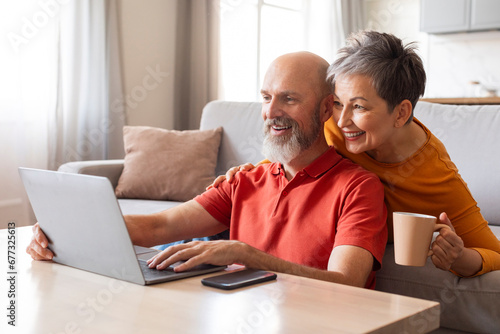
x=353 y=135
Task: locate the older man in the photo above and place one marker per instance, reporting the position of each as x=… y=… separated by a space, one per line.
x=310 y=212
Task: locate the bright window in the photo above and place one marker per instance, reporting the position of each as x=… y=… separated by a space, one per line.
x=253 y=33
x=28 y=61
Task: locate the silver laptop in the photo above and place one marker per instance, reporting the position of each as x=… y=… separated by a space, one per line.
x=82 y=220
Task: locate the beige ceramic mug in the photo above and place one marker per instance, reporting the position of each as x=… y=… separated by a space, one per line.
x=412 y=237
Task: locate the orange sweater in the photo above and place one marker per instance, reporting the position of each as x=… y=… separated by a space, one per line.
x=429 y=183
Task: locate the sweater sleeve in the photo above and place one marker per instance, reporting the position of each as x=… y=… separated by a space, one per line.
x=491 y=260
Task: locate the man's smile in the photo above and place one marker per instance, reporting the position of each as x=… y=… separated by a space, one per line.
x=279 y=129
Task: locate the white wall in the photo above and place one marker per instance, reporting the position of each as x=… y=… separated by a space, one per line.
x=451 y=60
x=456 y=59
x=148 y=50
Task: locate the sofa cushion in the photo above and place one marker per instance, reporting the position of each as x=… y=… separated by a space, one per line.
x=243 y=132
x=467 y=304
x=167 y=164
x=470 y=135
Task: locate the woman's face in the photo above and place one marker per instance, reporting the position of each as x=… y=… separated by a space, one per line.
x=362 y=116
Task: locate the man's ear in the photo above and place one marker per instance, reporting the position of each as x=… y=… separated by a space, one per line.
x=326 y=108
x=403 y=112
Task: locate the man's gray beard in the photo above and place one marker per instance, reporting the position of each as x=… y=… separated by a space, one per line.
x=284 y=149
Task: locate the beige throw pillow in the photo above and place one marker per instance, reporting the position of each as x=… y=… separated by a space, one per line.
x=167 y=164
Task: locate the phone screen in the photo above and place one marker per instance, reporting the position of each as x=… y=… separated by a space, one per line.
x=239 y=279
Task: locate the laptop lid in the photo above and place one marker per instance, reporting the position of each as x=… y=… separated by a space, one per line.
x=81 y=217
x=82 y=220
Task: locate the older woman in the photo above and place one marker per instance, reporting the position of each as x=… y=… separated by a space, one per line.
x=377 y=82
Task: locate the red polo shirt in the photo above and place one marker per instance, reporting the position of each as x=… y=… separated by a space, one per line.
x=329 y=203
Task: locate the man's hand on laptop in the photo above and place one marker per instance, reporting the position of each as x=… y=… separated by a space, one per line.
x=219 y=253
x=37 y=248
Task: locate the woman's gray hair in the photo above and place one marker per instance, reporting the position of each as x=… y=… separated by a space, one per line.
x=396 y=71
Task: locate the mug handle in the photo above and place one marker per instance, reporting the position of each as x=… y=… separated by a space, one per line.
x=437 y=228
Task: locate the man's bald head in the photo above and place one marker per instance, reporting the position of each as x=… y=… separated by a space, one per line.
x=304 y=66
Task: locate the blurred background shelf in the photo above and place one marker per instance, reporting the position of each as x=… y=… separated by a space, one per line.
x=464 y=100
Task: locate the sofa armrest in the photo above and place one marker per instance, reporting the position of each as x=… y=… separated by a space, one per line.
x=112 y=169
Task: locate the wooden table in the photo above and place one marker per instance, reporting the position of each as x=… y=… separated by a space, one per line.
x=52 y=298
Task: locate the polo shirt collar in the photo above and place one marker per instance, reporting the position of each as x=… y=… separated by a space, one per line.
x=318 y=167
x=323 y=163
x=276 y=168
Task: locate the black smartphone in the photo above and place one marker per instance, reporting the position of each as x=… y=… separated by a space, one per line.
x=238 y=279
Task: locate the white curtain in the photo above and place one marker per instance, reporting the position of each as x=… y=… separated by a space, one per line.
x=60 y=91
x=28 y=62
x=116 y=117
x=197 y=60
x=329 y=22
x=88 y=115
x=352 y=16
x=325 y=34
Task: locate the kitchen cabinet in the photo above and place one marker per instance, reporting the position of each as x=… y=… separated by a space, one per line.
x=447 y=16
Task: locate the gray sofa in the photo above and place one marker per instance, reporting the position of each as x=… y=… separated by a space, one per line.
x=472 y=137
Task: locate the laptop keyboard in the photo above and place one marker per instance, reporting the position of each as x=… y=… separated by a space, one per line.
x=154 y=273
